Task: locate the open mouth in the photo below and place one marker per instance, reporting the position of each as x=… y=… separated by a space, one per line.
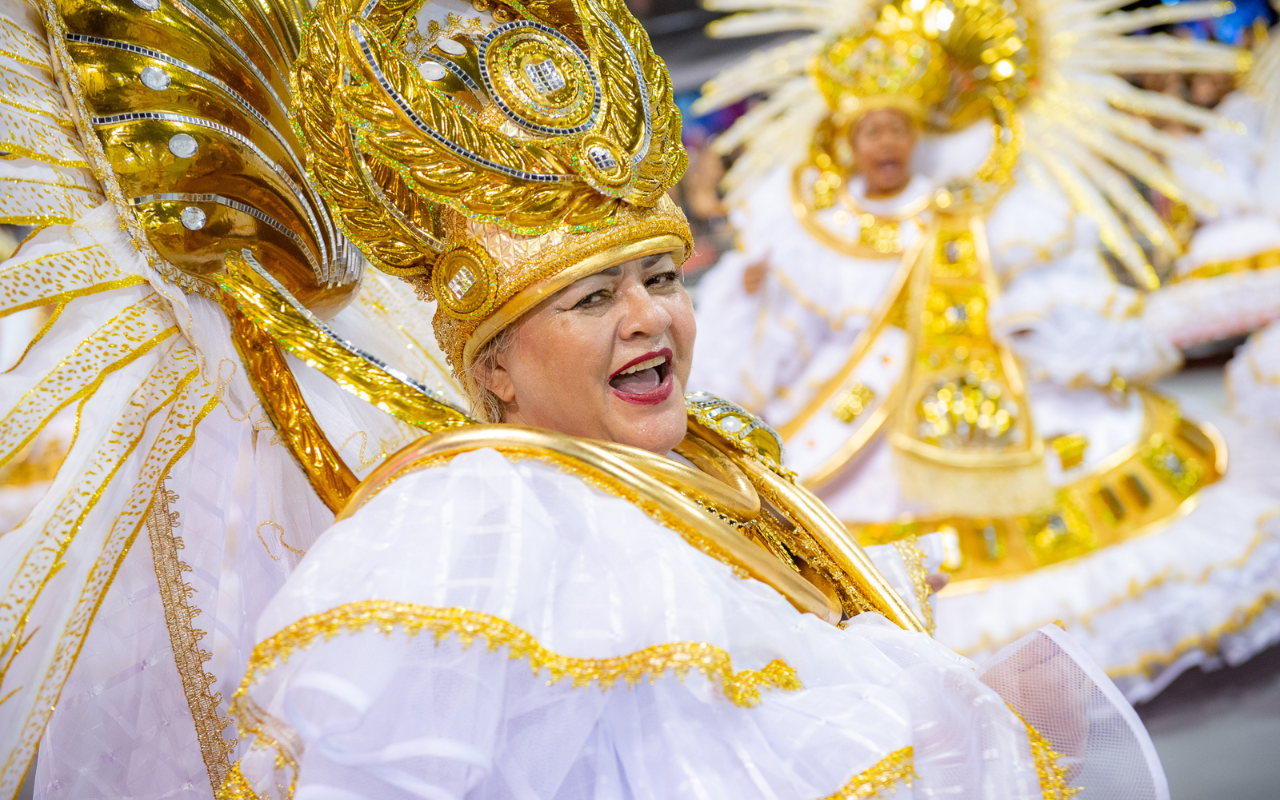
x=646 y=380
x=889 y=165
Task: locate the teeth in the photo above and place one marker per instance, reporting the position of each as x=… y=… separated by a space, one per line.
x=643 y=365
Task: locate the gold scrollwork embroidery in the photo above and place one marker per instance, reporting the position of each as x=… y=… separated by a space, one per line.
x=279 y=536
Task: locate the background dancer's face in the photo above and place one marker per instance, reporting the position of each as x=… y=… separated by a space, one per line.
x=882 y=145
x=606 y=358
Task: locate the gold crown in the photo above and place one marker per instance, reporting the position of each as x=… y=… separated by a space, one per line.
x=489 y=161
x=889 y=67
x=944 y=62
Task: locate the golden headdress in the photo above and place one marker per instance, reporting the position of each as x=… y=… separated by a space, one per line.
x=493 y=161
x=1048 y=72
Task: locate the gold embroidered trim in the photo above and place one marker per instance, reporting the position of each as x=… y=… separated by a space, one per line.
x=1241 y=619
x=741 y=688
x=187 y=405
x=185 y=638
x=895 y=768
x=1254 y=263
x=913 y=557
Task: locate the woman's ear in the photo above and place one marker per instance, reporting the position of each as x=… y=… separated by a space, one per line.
x=497 y=379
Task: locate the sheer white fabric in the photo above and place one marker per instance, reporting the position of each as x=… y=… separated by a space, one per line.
x=387 y=715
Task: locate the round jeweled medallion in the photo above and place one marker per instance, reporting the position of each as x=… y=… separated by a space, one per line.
x=605 y=165
x=463 y=282
x=539 y=78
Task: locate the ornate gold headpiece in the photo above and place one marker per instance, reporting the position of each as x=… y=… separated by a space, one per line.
x=492 y=161
x=895 y=68
x=945 y=64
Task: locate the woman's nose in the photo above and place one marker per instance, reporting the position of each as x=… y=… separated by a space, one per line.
x=645 y=316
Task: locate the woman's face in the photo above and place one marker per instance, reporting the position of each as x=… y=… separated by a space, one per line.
x=606 y=358
x=882 y=147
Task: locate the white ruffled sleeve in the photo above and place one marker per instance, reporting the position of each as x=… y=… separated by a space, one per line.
x=500 y=629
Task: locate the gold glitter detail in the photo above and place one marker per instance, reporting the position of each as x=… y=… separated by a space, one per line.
x=184 y=637
x=58 y=277
x=913 y=557
x=740 y=688
x=125 y=338
x=896 y=768
x=235 y=787
x=42 y=195
x=1083 y=516
x=852 y=402
x=1053 y=776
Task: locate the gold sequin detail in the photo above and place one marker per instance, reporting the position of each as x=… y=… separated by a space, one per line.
x=896 y=768
x=741 y=688
x=913 y=557
x=1053 y=776
x=235 y=787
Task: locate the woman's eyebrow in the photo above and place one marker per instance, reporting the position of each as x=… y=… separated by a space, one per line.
x=649 y=261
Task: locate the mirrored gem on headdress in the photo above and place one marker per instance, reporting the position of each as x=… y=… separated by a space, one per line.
x=461 y=283
x=545 y=76
x=193 y=218
x=183 y=145
x=432 y=71
x=147 y=5
x=451 y=46
x=155 y=78
x=602 y=158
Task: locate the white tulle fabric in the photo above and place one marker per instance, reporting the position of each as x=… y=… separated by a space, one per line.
x=371 y=715
x=1201 y=590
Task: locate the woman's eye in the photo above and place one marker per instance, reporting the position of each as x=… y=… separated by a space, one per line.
x=663 y=279
x=593 y=299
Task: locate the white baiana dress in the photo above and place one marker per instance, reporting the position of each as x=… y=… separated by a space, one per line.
x=1201 y=588
x=500 y=628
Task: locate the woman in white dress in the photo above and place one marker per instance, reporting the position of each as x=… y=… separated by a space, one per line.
x=922 y=310
x=601 y=586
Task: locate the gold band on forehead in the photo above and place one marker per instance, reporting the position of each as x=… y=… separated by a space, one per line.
x=531 y=296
